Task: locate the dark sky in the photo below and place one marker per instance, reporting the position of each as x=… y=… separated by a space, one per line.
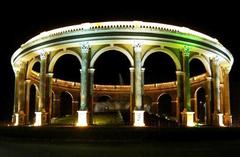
x=20 y=23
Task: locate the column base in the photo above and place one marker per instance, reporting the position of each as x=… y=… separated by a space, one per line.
x=19 y=118
x=38 y=119
x=82 y=118
x=227 y=118
x=187 y=119
x=218 y=119
x=138 y=118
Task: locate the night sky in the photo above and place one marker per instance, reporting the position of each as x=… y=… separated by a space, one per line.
x=19 y=23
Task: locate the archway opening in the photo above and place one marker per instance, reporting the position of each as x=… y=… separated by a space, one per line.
x=33 y=104
x=159 y=68
x=112 y=68
x=165 y=105
x=66 y=71
x=36 y=67
x=65 y=104
x=67 y=68
x=196 y=67
x=201 y=105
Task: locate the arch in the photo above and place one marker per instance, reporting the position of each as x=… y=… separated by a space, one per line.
x=165 y=104
x=30 y=66
x=204 y=62
x=66 y=99
x=60 y=54
x=109 y=48
x=164 y=50
x=201 y=105
x=103 y=98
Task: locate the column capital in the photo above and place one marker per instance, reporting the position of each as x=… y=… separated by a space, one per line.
x=91 y=70
x=16 y=70
x=27 y=81
x=131 y=69
x=49 y=74
x=186 y=51
x=179 y=73
x=216 y=60
x=84 y=47
x=209 y=78
x=43 y=54
x=226 y=70
x=137 y=46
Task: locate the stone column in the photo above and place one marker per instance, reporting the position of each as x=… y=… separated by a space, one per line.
x=132 y=91
x=49 y=95
x=15 y=117
x=180 y=93
x=41 y=118
x=142 y=73
x=27 y=85
x=217 y=115
x=91 y=94
x=209 y=99
x=82 y=113
x=138 y=112
x=19 y=97
x=227 y=110
x=187 y=114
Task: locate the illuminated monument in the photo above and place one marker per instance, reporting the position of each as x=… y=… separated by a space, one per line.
x=136 y=40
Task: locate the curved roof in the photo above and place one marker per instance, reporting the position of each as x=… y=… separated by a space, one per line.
x=133 y=30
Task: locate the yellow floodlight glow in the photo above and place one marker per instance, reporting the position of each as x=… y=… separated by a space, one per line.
x=38 y=121
x=16 y=119
x=139 y=118
x=220 y=120
x=82 y=118
x=190 y=122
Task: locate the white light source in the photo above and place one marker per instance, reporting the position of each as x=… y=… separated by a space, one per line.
x=220 y=119
x=38 y=119
x=190 y=122
x=82 y=118
x=139 y=118
x=16 y=119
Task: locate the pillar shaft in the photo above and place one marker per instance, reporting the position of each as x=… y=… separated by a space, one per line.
x=21 y=89
x=227 y=109
x=216 y=85
x=138 y=77
x=49 y=95
x=132 y=91
x=180 y=93
x=15 y=108
x=42 y=83
x=209 y=99
x=28 y=85
x=226 y=92
x=91 y=94
x=187 y=90
x=84 y=77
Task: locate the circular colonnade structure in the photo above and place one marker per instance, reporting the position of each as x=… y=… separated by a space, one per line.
x=137 y=41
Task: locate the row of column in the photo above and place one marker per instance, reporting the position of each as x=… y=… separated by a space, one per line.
x=22 y=91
